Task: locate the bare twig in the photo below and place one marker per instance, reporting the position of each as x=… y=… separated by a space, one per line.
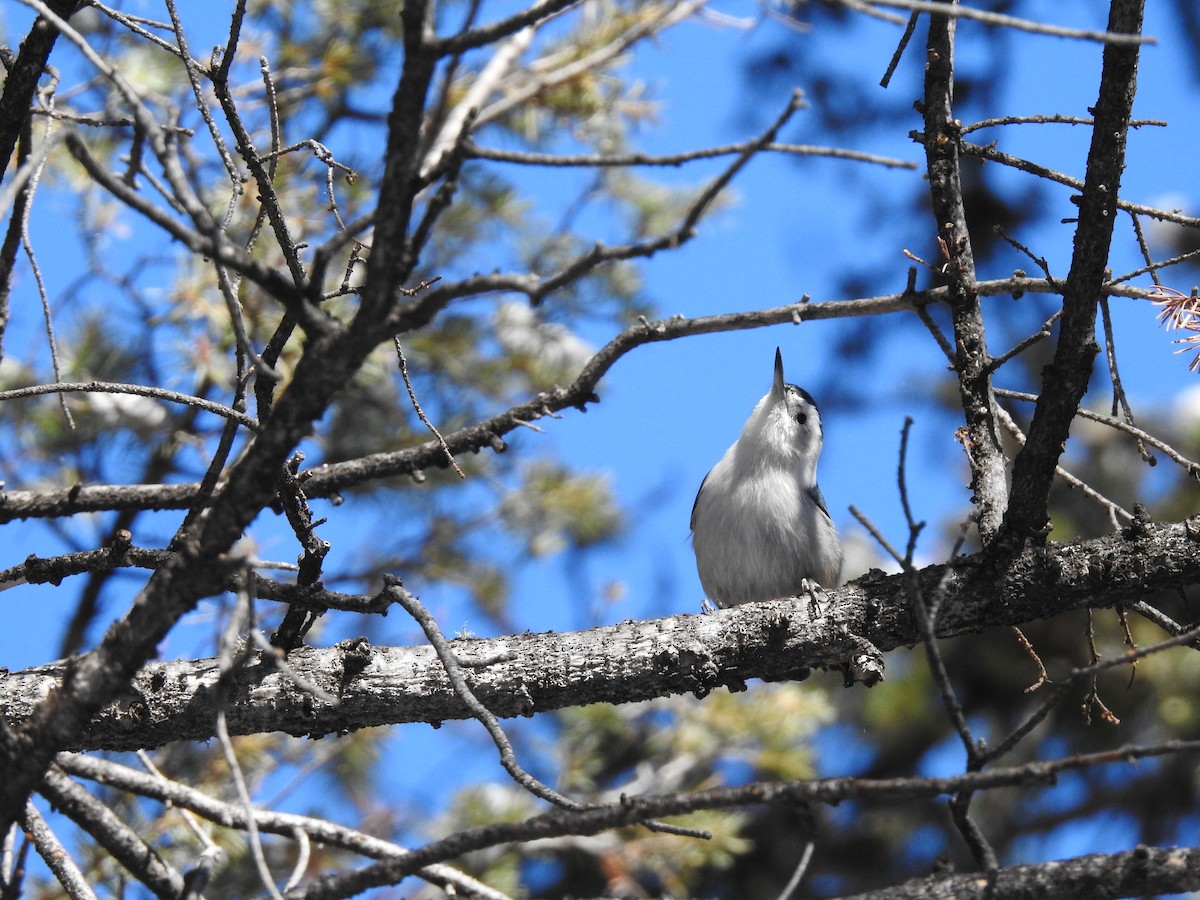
x=228 y=660
x=1020 y=347
x=1060 y=687
x=592 y=821
x=28 y=188
x=412 y=396
x=30 y=167
x=189 y=64
x=593 y=160
x=207 y=244
x=1040 y=261
x=1111 y=507
x=1190 y=466
x=1056 y=118
x=302 y=858
x=216 y=465
x=55 y=855
x=457 y=676
x=106 y=387
x=233 y=815
x=798 y=874
x=874 y=531
x=992 y=154
x=1154 y=268
x=954 y=10
x=455 y=671
x=188 y=818
x=925 y=611
x=914 y=527
x=1042 y=675
x=900 y=48
x=134 y=23
x=1120 y=402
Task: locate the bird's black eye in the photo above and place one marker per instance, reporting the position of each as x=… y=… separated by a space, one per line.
x=802 y=418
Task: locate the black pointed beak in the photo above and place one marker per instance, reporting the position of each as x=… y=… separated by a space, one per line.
x=777 y=388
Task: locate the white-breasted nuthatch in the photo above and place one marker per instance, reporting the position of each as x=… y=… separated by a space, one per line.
x=760 y=527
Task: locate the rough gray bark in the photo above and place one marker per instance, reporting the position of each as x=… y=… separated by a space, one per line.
x=519 y=675
x=1065 y=380
x=989 y=486
x=1138 y=872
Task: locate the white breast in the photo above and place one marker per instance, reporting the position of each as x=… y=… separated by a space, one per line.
x=758 y=535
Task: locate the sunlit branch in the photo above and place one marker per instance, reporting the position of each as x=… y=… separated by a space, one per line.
x=55 y=855
x=955 y=10
x=105 y=387
x=522 y=674
x=233 y=815
x=590 y=160
x=452 y=132
x=1055 y=119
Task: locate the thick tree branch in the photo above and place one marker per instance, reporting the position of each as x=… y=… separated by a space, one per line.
x=393 y=256
x=1143 y=871
x=22 y=80
x=528 y=673
x=1065 y=380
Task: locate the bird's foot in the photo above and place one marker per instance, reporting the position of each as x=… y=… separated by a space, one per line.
x=814 y=592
